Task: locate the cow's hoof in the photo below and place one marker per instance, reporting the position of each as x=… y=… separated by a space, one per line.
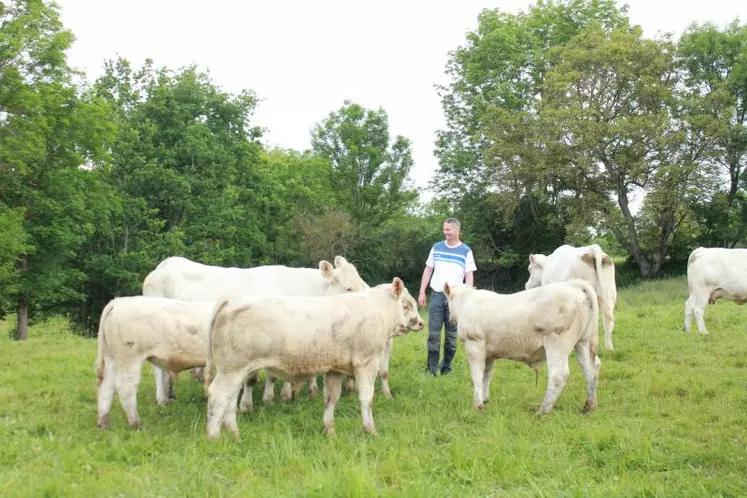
x=589 y=407
x=103 y=423
x=330 y=431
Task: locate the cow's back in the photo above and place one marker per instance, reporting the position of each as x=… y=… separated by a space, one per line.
x=170 y=332
x=304 y=334
x=142 y=315
x=566 y=263
x=716 y=267
x=180 y=278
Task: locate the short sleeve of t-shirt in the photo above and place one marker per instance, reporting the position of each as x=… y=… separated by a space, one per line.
x=470 y=263
x=429 y=261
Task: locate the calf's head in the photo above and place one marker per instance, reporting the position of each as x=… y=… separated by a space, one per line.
x=408 y=317
x=455 y=295
x=343 y=277
x=536 y=264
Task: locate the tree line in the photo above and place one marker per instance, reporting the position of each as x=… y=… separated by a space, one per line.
x=564 y=124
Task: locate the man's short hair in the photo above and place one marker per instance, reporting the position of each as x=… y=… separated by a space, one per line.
x=455 y=222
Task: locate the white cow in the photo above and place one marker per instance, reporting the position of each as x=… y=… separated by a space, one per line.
x=543 y=324
x=180 y=278
x=296 y=337
x=169 y=333
x=588 y=263
x=714 y=273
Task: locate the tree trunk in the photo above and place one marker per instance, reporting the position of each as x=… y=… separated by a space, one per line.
x=734 y=170
x=22 y=329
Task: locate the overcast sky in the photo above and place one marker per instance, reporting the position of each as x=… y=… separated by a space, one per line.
x=303 y=58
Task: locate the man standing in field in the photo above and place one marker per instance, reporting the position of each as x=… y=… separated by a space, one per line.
x=450 y=261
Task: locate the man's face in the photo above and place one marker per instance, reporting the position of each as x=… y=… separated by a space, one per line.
x=451 y=233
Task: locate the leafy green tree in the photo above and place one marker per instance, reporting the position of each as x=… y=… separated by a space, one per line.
x=48 y=130
x=714 y=67
x=187 y=149
x=299 y=200
x=369 y=171
x=607 y=107
x=12 y=244
x=184 y=180
x=494 y=159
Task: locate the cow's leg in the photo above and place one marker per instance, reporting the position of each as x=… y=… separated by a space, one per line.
x=332 y=389
x=590 y=368
x=688 y=313
x=475 y=352
x=171 y=378
x=384 y=368
x=350 y=384
x=489 y=366
x=268 y=398
x=557 y=372
x=365 y=380
x=229 y=415
x=162 y=386
x=247 y=402
x=222 y=391
x=286 y=394
x=106 y=393
x=313 y=386
x=698 y=303
x=126 y=384
x=198 y=374
x=608 y=320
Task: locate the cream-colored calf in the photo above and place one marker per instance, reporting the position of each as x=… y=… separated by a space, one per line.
x=589 y=263
x=542 y=324
x=170 y=334
x=714 y=273
x=297 y=337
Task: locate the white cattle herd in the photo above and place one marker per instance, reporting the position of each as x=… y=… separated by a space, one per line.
x=296 y=323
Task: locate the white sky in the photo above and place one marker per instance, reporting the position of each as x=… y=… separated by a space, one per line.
x=303 y=58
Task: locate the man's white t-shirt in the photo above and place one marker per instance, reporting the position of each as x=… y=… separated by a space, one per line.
x=450 y=264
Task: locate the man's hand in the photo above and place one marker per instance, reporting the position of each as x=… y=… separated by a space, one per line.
x=421 y=299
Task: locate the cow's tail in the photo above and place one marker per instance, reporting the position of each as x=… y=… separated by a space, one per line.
x=695 y=254
x=99 y=364
x=591 y=329
x=598 y=263
x=209 y=364
x=605 y=299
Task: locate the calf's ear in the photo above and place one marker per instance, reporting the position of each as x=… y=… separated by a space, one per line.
x=447 y=289
x=326 y=269
x=339 y=261
x=398 y=286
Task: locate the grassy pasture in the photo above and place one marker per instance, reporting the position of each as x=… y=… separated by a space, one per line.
x=672 y=421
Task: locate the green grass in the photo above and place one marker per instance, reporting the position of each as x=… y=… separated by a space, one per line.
x=672 y=421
